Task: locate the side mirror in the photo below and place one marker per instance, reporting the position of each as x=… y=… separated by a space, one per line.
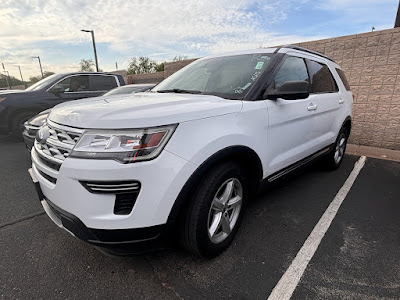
x=290 y=90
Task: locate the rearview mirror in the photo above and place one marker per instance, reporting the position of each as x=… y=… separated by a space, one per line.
x=290 y=90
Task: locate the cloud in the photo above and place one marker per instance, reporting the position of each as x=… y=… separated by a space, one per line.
x=137 y=27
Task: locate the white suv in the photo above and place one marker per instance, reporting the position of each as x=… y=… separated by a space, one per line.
x=181 y=161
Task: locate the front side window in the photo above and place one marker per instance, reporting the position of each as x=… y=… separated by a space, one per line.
x=229 y=76
x=321 y=78
x=73 y=84
x=292 y=69
x=102 y=83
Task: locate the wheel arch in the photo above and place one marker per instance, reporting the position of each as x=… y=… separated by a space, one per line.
x=246 y=157
x=347 y=124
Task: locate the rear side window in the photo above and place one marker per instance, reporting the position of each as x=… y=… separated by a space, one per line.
x=343 y=78
x=102 y=83
x=321 y=78
x=293 y=69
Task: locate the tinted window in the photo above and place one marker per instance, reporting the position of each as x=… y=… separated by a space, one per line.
x=102 y=83
x=293 y=69
x=344 y=79
x=73 y=84
x=321 y=78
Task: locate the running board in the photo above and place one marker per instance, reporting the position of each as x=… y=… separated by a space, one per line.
x=298 y=164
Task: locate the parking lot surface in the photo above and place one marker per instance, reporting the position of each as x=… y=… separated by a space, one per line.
x=358 y=257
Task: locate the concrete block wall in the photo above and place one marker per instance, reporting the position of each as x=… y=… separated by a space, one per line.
x=146 y=78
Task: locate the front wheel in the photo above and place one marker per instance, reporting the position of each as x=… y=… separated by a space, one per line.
x=17 y=124
x=335 y=156
x=215 y=212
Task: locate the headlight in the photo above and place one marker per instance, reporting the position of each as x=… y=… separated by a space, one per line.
x=125 y=146
x=39 y=119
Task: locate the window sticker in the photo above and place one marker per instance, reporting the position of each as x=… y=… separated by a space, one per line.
x=246 y=86
x=259 y=65
x=260 y=57
x=255 y=76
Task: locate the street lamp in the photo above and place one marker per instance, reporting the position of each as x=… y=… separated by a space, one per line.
x=7 y=75
x=40 y=64
x=94 y=48
x=20 y=73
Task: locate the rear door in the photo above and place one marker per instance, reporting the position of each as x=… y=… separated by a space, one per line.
x=324 y=93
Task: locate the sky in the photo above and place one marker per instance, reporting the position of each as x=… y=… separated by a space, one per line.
x=163 y=29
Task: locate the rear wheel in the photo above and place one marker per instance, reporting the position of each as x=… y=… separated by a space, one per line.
x=216 y=210
x=335 y=156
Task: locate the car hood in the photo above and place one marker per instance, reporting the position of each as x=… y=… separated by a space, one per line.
x=141 y=110
x=4 y=92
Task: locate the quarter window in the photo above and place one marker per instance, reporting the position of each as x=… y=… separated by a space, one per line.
x=343 y=78
x=293 y=69
x=321 y=78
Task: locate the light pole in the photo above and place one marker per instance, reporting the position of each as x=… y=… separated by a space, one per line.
x=20 y=73
x=40 y=64
x=94 y=48
x=6 y=72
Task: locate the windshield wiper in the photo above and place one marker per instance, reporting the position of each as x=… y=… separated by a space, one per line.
x=179 y=91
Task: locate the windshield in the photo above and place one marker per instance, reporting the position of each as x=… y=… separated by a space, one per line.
x=229 y=76
x=42 y=83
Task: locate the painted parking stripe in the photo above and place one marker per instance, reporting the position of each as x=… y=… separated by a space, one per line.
x=289 y=281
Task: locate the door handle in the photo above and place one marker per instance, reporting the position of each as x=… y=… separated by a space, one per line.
x=341 y=101
x=312 y=107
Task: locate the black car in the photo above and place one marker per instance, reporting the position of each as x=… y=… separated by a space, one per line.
x=16 y=107
x=32 y=125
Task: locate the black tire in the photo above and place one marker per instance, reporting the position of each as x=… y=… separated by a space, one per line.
x=334 y=158
x=196 y=236
x=17 y=123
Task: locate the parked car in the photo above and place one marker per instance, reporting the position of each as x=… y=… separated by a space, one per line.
x=184 y=159
x=16 y=107
x=32 y=126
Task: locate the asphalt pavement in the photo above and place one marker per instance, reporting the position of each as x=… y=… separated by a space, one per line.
x=358 y=257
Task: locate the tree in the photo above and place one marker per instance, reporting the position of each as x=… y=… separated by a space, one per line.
x=180 y=57
x=160 y=67
x=143 y=65
x=11 y=79
x=34 y=79
x=86 y=65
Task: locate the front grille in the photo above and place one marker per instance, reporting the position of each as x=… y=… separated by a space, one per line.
x=59 y=143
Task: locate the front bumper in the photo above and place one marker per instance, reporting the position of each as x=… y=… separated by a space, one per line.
x=122 y=241
x=90 y=216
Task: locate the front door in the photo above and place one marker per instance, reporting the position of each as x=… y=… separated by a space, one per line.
x=292 y=124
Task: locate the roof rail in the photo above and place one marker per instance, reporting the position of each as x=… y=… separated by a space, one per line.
x=305 y=50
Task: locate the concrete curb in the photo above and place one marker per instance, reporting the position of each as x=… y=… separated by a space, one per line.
x=373 y=152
